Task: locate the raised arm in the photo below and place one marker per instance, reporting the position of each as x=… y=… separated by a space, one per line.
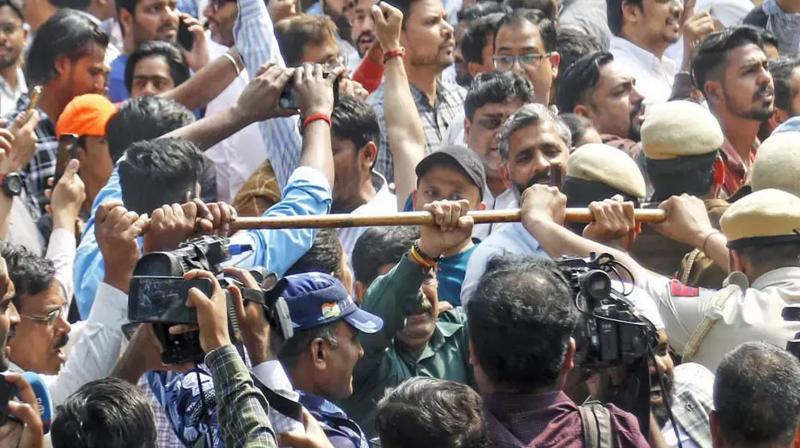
x=208 y=82
x=258 y=101
x=403 y=125
x=256 y=42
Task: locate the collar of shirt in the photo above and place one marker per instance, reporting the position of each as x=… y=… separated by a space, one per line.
x=443 y=95
x=22 y=86
x=334 y=420
x=444 y=330
x=506 y=404
x=735 y=169
x=320 y=405
x=641 y=55
x=777 y=276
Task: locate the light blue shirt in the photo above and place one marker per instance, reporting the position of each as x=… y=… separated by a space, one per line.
x=511 y=239
x=307 y=193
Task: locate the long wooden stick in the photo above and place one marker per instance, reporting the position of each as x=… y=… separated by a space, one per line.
x=413 y=219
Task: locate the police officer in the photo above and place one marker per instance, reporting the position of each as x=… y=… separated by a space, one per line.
x=777 y=163
x=680 y=143
x=761 y=231
x=596 y=172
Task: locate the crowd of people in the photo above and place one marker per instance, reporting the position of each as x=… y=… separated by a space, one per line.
x=139 y=309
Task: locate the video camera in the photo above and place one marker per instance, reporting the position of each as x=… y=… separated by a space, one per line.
x=158 y=294
x=609 y=332
x=792 y=313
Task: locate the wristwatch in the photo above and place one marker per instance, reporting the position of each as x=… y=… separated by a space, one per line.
x=12 y=184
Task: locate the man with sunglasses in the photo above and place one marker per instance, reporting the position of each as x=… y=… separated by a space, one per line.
x=525 y=42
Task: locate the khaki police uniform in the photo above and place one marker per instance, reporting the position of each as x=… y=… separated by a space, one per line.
x=716 y=321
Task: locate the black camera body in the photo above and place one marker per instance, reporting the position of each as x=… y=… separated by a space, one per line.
x=609 y=333
x=159 y=292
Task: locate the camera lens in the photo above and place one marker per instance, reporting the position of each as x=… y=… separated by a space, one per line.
x=596 y=284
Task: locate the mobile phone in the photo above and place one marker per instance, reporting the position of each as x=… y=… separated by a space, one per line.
x=185 y=37
x=36 y=94
x=7 y=392
x=288 y=99
x=163 y=299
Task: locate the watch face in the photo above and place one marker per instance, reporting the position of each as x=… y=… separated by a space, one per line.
x=13 y=184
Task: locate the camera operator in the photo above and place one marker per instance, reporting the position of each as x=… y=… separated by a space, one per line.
x=242 y=408
x=703 y=324
x=521 y=321
x=756 y=398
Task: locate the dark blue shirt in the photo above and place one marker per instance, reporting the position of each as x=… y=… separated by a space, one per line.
x=341 y=431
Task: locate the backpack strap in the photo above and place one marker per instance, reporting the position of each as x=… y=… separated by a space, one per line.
x=597 y=430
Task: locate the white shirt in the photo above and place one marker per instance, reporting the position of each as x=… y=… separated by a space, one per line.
x=384 y=202
x=654 y=76
x=9 y=96
x=504 y=201
x=98 y=346
x=454 y=135
x=238 y=156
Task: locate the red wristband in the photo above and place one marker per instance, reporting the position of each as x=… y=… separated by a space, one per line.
x=317 y=116
x=393 y=53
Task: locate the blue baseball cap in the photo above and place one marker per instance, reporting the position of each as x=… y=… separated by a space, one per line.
x=316 y=299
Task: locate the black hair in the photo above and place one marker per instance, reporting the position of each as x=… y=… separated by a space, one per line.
x=478 y=10
x=431 y=412
x=578 y=125
x=81 y=5
x=324 y=256
x=521 y=318
x=782 y=70
x=296 y=33
x=574 y=44
x=128 y=5
x=548 y=8
x=757 y=395
x=614 y=13
x=15 y=6
x=712 y=54
x=578 y=81
x=770 y=257
x=547 y=29
x=158 y=172
x=393 y=243
x=291 y=351
x=67 y=33
x=144 y=118
x=477 y=35
x=674 y=177
x=30 y=273
x=354 y=119
x=496 y=87
x=106 y=412
x=178 y=68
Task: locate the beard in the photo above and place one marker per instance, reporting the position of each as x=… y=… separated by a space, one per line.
x=539 y=177
x=661 y=410
x=342 y=24
x=635 y=127
x=759 y=110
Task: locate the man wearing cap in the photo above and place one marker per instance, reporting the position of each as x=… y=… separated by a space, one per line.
x=453 y=173
x=596 y=172
x=680 y=142
x=325 y=348
x=418 y=338
x=81 y=132
x=761 y=232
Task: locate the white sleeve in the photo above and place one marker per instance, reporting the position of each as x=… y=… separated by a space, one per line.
x=94 y=355
x=61 y=251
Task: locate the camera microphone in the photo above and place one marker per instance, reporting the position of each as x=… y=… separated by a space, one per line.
x=42 y=398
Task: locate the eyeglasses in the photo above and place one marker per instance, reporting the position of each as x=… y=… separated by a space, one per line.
x=48 y=320
x=530 y=60
x=9 y=28
x=217 y=4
